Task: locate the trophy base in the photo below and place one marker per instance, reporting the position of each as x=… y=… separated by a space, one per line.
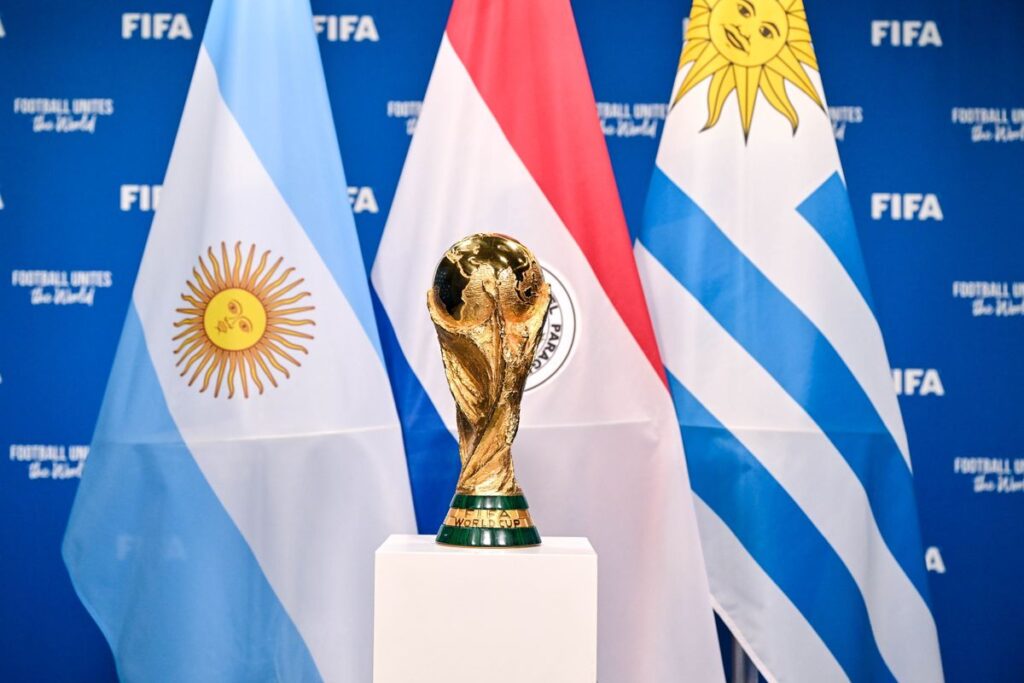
x=488 y=522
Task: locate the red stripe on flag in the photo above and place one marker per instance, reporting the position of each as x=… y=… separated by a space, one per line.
x=525 y=58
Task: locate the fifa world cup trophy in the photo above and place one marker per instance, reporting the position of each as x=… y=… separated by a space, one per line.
x=488 y=304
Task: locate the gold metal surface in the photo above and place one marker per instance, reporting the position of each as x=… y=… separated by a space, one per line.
x=488 y=305
x=495 y=519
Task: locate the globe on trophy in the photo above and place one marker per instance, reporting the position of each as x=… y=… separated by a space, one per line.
x=488 y=304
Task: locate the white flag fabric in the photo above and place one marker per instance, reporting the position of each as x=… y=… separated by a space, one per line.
x=509 y=142
x=248 y=457
x=794 y=439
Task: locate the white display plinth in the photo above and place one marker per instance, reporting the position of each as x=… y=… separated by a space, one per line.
x=448 y=615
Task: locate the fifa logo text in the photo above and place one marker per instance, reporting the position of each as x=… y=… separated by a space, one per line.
x=905 y=207
x=346 y=27
x=906 y=33
x=156 y=26
x=917 y=382
x=363 y=200
x=141 y=197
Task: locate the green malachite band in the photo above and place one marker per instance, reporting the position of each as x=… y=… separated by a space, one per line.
x=462 y=501
x=488 y=538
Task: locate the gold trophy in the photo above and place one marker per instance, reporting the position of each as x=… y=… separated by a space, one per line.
x=488 y=305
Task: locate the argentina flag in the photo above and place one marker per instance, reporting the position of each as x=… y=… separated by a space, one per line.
x=248 y=457
x=795 y=443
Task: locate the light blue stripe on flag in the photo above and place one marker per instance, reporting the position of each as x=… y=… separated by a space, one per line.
x=262 y=53
x=155 y=557
x=780 y=538
x=788 y=345
x=828 y=211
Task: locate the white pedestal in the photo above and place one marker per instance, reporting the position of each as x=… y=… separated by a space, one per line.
x=450 y=615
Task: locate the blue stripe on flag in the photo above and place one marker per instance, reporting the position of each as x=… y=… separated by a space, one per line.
x=828 y=211
x=788 y=345
x=270 y=75
x=431 y=451
x=780 y=538
x=156 y=558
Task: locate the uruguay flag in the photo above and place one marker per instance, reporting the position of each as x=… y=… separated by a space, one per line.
x=509 y=141
x=248 y=457
x=794 y=439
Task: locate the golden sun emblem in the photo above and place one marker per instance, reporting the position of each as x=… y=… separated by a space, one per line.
x=240 y=321
x=746 y=46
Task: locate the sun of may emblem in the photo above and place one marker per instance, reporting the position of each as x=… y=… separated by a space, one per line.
x=746 y=46
x=240 y=322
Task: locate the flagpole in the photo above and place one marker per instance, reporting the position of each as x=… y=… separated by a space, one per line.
x=743 y=669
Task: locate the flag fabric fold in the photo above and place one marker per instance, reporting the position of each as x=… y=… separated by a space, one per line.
x=508 y=141
x=248 y=456
x=796 y=448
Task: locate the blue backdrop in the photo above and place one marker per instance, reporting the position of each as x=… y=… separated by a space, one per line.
x=927 y=99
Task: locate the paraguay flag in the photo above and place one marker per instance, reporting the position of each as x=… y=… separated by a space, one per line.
x=509 y=141
x=794 y=439
x=248 y=456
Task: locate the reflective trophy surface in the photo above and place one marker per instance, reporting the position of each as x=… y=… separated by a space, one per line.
x=488 y=304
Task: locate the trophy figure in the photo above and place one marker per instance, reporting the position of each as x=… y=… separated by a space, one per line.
x=488 y=305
